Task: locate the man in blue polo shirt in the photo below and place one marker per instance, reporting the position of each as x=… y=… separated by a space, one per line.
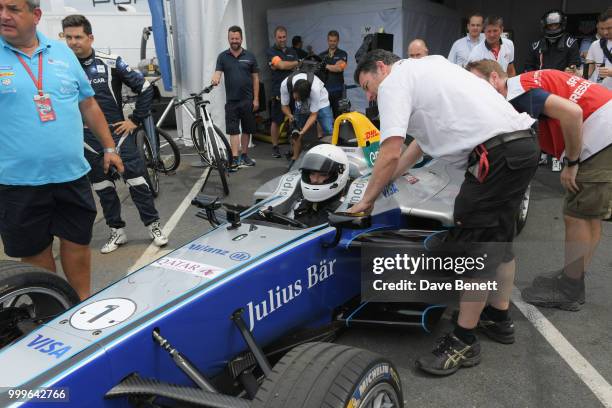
x=241 y=93
x=44 y=191
x=282 y=61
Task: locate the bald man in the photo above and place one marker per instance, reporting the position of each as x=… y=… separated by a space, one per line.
x=417 y=49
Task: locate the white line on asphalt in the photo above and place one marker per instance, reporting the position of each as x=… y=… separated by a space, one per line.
x=585 y=371
x=152 y=252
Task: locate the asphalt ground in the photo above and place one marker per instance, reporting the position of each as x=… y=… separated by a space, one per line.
x=560 y=359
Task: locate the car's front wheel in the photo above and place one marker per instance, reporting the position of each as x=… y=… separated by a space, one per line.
x=30 y=296
x=330 y=375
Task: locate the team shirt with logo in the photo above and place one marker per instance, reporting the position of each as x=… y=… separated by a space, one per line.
x=528 y=93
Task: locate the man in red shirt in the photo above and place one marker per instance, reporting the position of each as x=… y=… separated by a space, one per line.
x=575 y=123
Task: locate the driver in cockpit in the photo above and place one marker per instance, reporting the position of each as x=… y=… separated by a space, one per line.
x=325 y=175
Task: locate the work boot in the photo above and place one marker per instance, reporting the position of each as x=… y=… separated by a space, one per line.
x=547 y=280
x=157 y=235
x=563 y=293
x=449 y=355
x=117 y=237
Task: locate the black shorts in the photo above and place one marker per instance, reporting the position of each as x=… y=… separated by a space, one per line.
x=276 y=113
x=485 y=213
x=30 y=216
x=239 y=113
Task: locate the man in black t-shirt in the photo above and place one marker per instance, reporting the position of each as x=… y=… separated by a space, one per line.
x=282 y=61
x=335 y=63
x=242 y=95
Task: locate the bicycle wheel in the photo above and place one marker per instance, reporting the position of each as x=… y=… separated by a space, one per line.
x=200 y=145
x=221 y=158
x=146 y=154
x=169 y=154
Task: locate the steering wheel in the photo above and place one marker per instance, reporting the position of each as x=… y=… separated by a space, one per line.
x=269 y=214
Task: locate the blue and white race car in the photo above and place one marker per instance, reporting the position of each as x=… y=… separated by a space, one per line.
x=203 y=325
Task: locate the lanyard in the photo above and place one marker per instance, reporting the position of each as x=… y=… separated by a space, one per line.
x=38 y=83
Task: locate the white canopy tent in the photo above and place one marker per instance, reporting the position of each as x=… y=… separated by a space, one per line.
x=200 y=34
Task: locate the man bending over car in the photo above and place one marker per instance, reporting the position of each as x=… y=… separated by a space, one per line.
x=575 y=124
x=107 y=73
x=304 y=101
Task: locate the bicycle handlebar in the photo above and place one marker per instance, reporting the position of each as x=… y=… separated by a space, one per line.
x=194 y=96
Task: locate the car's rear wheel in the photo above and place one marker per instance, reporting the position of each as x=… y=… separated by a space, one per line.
x=30 y=296
x=521 y=218
x=330 y=375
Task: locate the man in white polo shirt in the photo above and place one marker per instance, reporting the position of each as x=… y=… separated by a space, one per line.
x=458 y=118
x=494 y=47
x=305 y=101
x=462 y=48
x=600 y=52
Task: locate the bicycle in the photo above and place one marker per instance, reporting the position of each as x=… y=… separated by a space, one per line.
x=208 y=140
x=158 y=157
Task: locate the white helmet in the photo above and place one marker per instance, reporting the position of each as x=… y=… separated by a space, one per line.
x=327 y=159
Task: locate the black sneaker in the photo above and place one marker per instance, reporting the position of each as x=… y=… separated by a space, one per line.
x=547 y=280
x=563 y=293
x=501 y=332
x=234 y=166
x=276 y=152
x=449 y=355
x=246 y=161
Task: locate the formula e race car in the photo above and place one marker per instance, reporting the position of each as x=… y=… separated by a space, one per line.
x=241 y=316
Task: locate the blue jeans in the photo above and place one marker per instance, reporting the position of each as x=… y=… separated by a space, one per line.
x=325 y=117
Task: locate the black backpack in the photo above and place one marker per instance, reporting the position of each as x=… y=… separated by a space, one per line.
x=309 y=77
x=603 y=43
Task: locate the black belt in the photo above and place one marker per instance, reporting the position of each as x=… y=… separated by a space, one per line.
x=508 y=137
x=478 y=162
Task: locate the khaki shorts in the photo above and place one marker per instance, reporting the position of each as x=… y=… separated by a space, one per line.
x=594 y=178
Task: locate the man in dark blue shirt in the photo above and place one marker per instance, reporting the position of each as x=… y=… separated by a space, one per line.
x=282 y=61
x=107 y=73
x=242 y=95
x=335 y=63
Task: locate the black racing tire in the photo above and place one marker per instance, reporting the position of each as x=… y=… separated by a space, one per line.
x=315 y=375
x=146 y=154
x=173 y=164
x=221 y=162
x=521 y=216
x=23 y=284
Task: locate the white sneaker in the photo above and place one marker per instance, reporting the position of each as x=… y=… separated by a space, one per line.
x=556 y=164
x=117 y=237
x=155 y=231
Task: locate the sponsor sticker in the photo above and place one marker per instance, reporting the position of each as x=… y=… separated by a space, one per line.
x=194 y=268
x=6 y=67
x=7 y=74
x=101 y=69
x=6 y=81
x=48 y=346
x=240 y=256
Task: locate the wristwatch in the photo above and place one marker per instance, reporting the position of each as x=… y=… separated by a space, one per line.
x=110 y=150
x=570 y=163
